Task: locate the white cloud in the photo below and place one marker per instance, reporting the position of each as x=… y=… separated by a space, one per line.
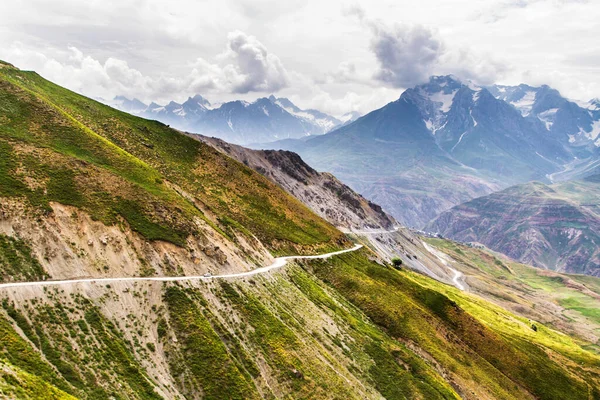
x=408 y=54
x=250 y=67
x=245 y=66
x=161 y=51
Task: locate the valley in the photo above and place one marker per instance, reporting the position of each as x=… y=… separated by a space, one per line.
x=138 y=262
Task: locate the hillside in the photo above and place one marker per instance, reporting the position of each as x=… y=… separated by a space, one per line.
x=566 y=302
x=321 y=192
x=554 y=227
x=88 y=192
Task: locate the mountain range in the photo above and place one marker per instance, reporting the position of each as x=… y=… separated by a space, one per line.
x=264 y=120
x=449 y=141
x=132 y=267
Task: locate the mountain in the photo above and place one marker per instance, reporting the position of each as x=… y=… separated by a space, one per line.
x=134 y=106
x=568 y=122
x=554 y=227
x=89 y=193
x=265 y=120
x=321 y=192
x=315 y=117
x=449 y=141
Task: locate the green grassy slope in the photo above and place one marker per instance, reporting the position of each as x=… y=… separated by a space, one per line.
x=567 y=302
x=484 y=349
x=56 y=145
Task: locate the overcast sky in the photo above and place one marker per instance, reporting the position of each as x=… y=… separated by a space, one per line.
x=336 y=56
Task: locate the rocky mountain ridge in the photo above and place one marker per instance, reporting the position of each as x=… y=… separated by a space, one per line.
x=241 y=122
x=322 y=192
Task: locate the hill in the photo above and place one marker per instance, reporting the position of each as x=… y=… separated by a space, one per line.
x=90 y=192
x=554 y=227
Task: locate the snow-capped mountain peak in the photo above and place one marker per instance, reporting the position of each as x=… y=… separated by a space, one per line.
x=239 y=121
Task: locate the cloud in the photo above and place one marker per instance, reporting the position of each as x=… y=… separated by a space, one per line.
x=408 y=54
x=252 y=67
x=244 y=66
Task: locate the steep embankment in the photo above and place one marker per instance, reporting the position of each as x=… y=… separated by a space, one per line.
x=322 y=192
x=555 y=227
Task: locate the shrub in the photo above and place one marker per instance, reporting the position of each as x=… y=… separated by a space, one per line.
x=397 y=262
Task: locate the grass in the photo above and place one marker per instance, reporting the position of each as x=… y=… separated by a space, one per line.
x=105 y=157
x=17 y=262
x=18 y=384
x=216 y=374
x=396 y=371
x=484 y=347
x=530 y=291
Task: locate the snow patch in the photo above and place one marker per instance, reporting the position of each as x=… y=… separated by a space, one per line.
x=429 y=125
x=474 y=122
x=525 y=104
x=229 y=123
x=593 y=134
x=459 y=140
x=541 y=156
x=445 y=99
x=473 y=87
x=547 y=117
x=264 y=110
x=324 y=123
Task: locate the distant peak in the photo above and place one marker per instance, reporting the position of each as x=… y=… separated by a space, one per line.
x=272 y=98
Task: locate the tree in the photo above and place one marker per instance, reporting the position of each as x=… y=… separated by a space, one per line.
x=397 y=262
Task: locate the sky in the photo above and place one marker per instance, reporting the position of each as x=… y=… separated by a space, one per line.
x=335 y=56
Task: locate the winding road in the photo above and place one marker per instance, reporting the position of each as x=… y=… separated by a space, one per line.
x=458 y=276
x=278 y=263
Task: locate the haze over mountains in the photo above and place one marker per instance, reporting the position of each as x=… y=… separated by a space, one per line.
x=448 y=141
x=241 y=122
